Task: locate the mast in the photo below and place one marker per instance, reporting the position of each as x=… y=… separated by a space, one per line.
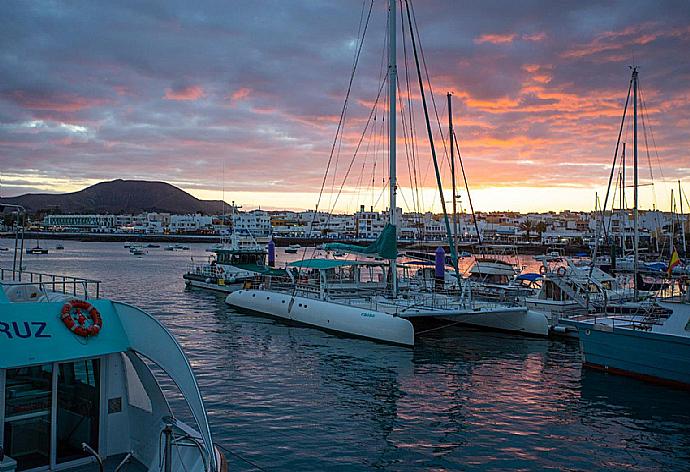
x=392 y=121
x=673 y=226
x=636 y=240
x=682 y=220
x=452 y=171
x=624 y=213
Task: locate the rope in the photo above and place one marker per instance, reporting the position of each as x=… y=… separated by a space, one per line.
x=243 y=459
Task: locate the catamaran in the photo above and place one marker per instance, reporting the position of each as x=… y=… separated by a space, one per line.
x=379 y=309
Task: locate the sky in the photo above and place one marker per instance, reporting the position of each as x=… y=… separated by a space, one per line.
x=242 y=99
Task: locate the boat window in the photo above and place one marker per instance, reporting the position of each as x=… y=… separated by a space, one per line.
x=28 y=399
x=78 y=403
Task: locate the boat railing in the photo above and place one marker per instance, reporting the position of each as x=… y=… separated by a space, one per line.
x=67 y=284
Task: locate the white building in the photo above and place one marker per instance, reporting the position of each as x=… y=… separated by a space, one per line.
x=190 y=223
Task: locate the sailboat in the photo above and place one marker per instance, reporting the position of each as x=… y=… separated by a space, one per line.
x=366 y=298
x=649 y=345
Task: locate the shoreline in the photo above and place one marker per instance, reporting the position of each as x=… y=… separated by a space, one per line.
x=430 y=246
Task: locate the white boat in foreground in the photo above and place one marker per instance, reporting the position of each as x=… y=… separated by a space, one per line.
x=77 y=387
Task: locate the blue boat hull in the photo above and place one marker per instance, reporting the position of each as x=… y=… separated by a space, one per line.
x=650 y=356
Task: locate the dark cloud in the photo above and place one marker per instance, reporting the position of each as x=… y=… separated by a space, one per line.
x=172 y=90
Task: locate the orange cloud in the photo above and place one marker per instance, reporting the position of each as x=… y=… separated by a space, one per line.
x=241 y=93
x=495 y=38
x=192 y=92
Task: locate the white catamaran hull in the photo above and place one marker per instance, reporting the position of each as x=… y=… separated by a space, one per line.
x=330 y=316
x=514 y=320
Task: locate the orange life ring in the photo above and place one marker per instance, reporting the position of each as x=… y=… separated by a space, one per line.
x=76 y=314
x=561 y=271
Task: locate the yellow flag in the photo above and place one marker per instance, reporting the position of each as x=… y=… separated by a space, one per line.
x=675 y=260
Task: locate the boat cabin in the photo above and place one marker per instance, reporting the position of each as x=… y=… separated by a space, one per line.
x=73 y=395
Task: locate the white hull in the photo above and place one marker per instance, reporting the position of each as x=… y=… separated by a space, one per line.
x=517 y=321
x=330 y=316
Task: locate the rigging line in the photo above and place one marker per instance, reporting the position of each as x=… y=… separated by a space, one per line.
x=342 y=129
x=410 y=109
x=247 y=461
x=338 y=131
x=359 y=144
x=649 y=159
x=607 y=226
x=428 y=80
x=407 y=148
x=344 y=108
x=453 y=253
x=469 y=195
x=615 y=157
x=651 y=132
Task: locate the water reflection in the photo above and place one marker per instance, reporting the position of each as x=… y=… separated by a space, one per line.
x=296 y=398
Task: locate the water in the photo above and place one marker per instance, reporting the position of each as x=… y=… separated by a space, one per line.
x=294 y=398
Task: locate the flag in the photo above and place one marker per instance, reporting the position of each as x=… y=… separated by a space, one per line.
x=675 y=260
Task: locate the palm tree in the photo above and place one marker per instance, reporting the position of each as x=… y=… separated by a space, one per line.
x=527 y=227
x=540 y=228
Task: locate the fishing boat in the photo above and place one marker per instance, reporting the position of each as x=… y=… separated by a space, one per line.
x=152 y=245
x=233 y=264
x=79 y=383
x=331 y=295
x=36 y=250
x=59 y=247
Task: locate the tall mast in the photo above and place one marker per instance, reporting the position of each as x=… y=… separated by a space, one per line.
x=682 y=220
x=636 y=240
x=392 y=121
x=673 y=226
x=451 y=135
x=624 y=212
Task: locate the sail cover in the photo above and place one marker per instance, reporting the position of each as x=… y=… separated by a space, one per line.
x=386 y=245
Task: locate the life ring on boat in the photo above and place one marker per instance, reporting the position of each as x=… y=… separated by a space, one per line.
x=542 y=269
x=560 y=271
x=75 y=314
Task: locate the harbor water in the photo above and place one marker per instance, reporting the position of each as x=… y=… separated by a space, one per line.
x=285 y=397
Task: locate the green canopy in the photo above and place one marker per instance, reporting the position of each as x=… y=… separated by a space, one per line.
x=386 y=245
x=322 y=263
x=263 y=270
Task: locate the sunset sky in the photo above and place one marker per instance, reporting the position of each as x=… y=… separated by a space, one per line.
x=246 y=96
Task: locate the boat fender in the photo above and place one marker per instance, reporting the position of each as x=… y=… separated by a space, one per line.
x=75 y=315
x=559 y=329
x=561 y=271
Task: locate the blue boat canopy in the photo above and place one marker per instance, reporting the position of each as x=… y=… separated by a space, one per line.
x=530 y=277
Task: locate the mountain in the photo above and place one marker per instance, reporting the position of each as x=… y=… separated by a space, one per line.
x=118 y=197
